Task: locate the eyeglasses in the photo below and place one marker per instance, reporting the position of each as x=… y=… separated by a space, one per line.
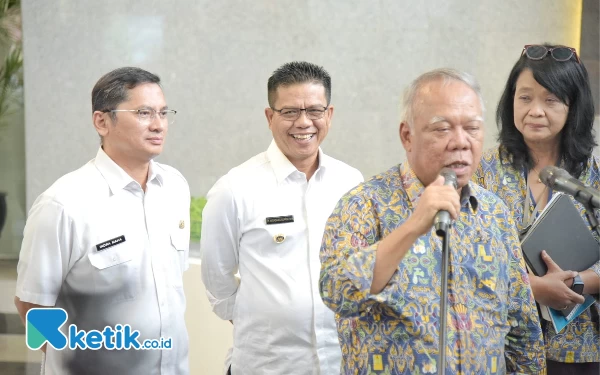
x=537 y=52
x=292 y=114
x=147 y=115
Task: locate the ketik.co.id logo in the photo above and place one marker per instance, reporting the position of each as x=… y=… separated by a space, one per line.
x=43 y=325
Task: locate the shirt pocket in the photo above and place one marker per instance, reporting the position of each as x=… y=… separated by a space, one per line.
x=178 y=254
x=114 y=273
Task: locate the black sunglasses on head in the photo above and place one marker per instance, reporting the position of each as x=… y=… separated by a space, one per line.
x=560 y=53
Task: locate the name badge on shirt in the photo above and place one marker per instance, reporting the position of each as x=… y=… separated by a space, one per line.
x=110 y=243
x=280 y=219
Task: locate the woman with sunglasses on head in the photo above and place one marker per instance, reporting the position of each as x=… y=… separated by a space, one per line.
x=545 y=117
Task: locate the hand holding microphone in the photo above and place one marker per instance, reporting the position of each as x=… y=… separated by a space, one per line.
x=442 y=219
x=438 y=205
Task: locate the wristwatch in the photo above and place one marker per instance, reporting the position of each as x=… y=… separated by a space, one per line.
x=577 y=285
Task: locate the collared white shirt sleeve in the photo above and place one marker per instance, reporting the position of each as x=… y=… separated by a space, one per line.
x=220 y=248
x=46 y=252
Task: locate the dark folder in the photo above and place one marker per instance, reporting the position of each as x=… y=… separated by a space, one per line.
x=564 y=234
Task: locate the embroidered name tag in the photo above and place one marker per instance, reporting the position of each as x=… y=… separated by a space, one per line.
x=110 y=243
x=280 y=219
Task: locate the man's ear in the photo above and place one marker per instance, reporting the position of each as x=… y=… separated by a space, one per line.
x=269 y=115
x=406 y=135
x=329 y=115
x=101 y=123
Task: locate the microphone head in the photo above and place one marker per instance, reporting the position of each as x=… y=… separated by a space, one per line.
x=549 y=174
x=449 y=177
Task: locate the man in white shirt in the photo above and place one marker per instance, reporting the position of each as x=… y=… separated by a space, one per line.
x=108 y=243
x=265 y=219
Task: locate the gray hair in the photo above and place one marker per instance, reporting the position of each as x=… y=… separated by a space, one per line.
x=447 y=75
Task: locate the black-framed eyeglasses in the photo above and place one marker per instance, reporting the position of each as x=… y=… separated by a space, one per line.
x=147 y=115
x=292 y=114
x=538 y=52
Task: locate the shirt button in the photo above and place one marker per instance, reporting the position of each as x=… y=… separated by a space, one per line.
x=115 y=258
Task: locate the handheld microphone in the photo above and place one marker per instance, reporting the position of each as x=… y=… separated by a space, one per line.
x=442 y=219
x=560 y=180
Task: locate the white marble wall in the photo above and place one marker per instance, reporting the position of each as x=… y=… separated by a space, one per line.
x=215 y=58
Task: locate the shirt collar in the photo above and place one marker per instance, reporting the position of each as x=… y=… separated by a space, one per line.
x=116 y=178
x=467 y=197
x=411 y=183
x=283 y=167
x=155 y=172
x=414 y=188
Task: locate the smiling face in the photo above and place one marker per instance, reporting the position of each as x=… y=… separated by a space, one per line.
x=447 y=131
x=538 y=114
x=299 y=140
x=127 y=140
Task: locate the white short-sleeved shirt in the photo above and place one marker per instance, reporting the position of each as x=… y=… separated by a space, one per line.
x=138 y=281
x=264 y=219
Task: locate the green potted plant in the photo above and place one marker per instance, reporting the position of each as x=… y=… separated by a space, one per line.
x=196 y=207
x=11 y=70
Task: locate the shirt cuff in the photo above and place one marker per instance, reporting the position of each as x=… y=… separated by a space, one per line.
x=36 y=298
x=596 y=268
x=359 y=270
x=222 y=307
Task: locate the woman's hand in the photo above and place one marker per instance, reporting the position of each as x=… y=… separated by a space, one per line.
x=551 y=289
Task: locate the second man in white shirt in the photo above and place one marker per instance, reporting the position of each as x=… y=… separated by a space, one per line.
x=265 y=220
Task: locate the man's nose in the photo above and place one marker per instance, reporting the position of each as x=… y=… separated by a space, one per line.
x=460 y=140
x=157 y=124
x=303 y=121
